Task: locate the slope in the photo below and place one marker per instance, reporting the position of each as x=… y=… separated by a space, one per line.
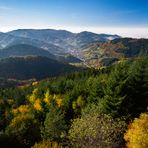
x=32 y=67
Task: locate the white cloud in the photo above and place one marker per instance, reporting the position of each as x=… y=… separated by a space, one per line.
x=136 y=32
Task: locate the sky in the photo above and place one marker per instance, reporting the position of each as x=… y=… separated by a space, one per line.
x=128 y=18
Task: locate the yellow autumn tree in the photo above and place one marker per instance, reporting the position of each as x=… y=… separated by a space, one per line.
x=37 y=105
x=21 y=109
x=48 y=97
x=80 y=101
x=16 y=121
x=137 y=133
x=33 y=96
x=58 y=100
x=35 y=101
x=34 y=83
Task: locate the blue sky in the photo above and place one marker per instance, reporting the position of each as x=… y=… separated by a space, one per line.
x=123 y=17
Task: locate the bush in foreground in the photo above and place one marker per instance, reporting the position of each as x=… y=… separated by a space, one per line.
x=93 y=130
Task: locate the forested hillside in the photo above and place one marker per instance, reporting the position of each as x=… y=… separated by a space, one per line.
x=30 y=67
x=24 y=50
x=95 y=108
x=99 y=54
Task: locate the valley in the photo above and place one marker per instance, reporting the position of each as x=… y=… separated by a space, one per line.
x=89 y=49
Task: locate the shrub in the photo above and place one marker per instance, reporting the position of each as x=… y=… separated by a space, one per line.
x=93 y=130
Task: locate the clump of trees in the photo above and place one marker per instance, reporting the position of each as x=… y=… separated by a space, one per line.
x=90 y=108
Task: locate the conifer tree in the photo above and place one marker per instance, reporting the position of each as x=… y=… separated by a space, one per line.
x=136 y=90
x=113 y=95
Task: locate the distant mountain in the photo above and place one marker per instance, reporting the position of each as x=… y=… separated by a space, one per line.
x=7 y=40
x=32 y=67
x=106 y=53
x=62 y=38
x=24 y=50
x=83 y=38
x=57 y=42
x=56 y=37
x=46 y=35
x=84 y=47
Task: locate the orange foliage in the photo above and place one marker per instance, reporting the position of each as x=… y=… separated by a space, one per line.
x=21 y=109
x=37 y=105
x=137 y=133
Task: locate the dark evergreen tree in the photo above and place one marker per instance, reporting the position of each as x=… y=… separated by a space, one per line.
x=136 y=90
x=54 y=124
x=113 y=95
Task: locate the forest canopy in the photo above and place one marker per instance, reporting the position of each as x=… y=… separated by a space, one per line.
x=97 y=106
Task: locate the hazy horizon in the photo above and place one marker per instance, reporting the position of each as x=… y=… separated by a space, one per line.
x=123 y=32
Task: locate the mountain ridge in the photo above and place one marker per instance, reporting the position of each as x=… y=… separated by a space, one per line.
x=24 y=50
x=62 y=38
x=7 y=40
